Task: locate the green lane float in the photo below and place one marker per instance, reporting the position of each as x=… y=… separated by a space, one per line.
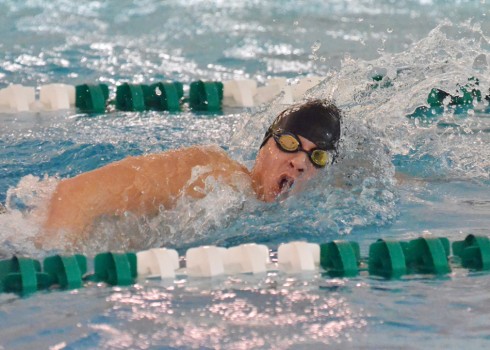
x=340 y=258
x=66 y=271
x=437 y=97
x=387 y=259
x=428 y=255
x=461 y=101
x=117 y=269
x=164 y=96
x=206 y=96
x=474 y=252
x=22 y=275
x=130 y=98
x=157 y=97
x=91 y=98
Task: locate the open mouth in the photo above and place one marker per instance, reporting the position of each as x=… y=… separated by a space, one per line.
x=285 y=183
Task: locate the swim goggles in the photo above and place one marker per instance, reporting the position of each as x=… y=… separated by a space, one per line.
x=290 y=143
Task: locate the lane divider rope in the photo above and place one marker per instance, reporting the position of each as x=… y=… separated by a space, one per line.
x=211 y=96
x=390 y=259
x=200 y=96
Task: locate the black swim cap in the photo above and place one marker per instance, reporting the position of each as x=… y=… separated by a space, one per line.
x=317 y=120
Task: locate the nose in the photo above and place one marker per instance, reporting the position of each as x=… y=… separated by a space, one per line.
x=298 y=161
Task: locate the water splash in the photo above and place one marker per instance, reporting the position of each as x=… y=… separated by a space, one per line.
x=359 y=191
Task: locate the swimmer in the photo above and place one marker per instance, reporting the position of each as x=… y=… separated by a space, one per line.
x=301 y=141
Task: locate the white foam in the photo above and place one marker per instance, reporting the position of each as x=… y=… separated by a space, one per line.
x=26 y=206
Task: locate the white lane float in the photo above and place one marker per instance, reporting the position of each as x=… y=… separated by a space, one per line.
x=205 y=261
x=57 y=96
x=239 y=93
x=17 y=98
x=273 y=88
x=304 y=84
x=297 y=257
x=247 y=258
x=161 y=262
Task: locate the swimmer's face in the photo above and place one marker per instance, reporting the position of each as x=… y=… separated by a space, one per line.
x=278 y=173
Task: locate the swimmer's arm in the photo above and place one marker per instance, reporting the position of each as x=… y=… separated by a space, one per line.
x=137 y=184
x=77 y=201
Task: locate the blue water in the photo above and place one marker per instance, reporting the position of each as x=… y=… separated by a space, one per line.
x=396 y=177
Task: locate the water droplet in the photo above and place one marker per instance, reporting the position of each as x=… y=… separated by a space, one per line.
x=316 y=46
x=389 y=30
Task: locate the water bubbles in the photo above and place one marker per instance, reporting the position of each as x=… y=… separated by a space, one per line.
x=446 y=101
x=316 y=46
x=314 y=49
x=480 y=62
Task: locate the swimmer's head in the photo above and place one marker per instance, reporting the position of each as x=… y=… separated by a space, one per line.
x=316 y=120
x=301 y=140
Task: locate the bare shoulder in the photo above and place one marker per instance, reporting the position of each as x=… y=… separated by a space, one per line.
x=206 y=150
x=215 y=156
x=185 y=152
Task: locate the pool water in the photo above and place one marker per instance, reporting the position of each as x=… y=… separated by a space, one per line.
x=397 y=177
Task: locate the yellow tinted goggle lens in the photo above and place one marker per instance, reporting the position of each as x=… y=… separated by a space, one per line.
x=319 y=157
x=288 y=142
